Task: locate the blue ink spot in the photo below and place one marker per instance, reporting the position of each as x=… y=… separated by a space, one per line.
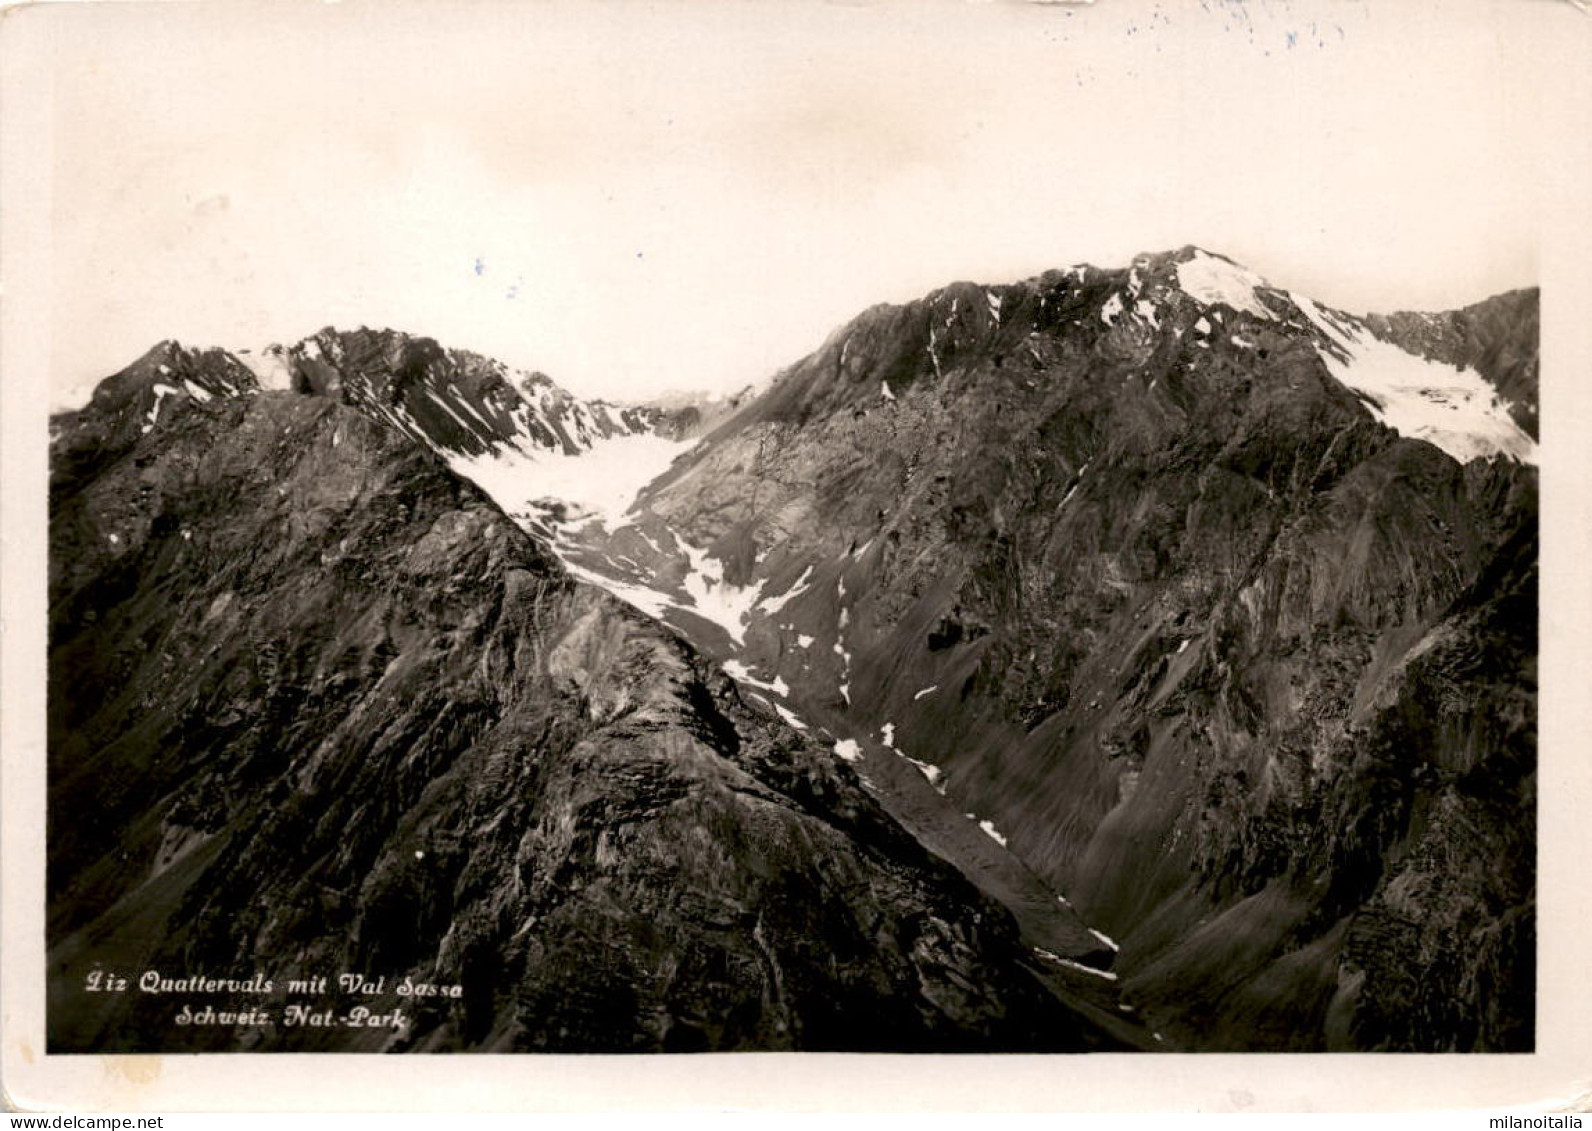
x=514 y=292
x=479 y=266
x=1293 y=38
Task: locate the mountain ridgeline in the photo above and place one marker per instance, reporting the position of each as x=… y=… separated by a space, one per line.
x=317 y=707
x=1137 y=658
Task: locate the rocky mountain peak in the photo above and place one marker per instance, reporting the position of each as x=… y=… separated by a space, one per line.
x=170 y=369
x=1131 y=565
x=331 y=710
x=1190 y=311
x=1188 y=618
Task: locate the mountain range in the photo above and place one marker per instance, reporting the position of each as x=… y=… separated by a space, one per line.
x=1135 y=658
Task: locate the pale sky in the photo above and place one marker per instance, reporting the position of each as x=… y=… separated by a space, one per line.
x=634 y=197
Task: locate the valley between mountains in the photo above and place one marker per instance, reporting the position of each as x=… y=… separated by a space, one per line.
x=1119 y=659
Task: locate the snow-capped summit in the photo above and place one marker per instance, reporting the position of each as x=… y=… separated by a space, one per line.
x=520 y=437
x=1213 y=279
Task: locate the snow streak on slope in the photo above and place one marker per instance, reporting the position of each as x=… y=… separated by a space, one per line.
x=739 y=671
x=1451 y=408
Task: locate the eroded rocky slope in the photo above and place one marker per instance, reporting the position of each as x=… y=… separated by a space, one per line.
x=317 y=706
x=1189 y=620
x=1217 y=604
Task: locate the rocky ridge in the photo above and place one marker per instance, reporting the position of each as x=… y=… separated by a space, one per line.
x=316 y=705
x=1159 y=601
x=1215 y=603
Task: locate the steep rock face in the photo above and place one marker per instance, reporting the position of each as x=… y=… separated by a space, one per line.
x=1220 y=606
x=317 y=706
x=131 y=403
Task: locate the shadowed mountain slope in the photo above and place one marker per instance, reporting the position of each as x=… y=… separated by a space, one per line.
x=316 y=706
x=1190 y=620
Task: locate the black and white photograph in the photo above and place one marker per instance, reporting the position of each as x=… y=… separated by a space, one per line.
x=814 y=528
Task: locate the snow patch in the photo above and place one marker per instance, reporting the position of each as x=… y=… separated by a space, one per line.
x=992 y=832
x=1112 y=310
x=726 y=605
x=465 y=404
x=1070 y=964
x=932 y=773
x=597 y=485
x=1104 y=939
x=888 y=733
x=161 y=393
x=771 y=605
x=884 y=391
x=197 y=392
x=649 y=601
x=447 y=408
x=740 y=672
x=789 y=716
x=269 y=367
x=848 y=749
x=1073 y=490
x=804 y=641
x=994 y=305
x=1211 y=280
x=929 y=690
x=1451 y=408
